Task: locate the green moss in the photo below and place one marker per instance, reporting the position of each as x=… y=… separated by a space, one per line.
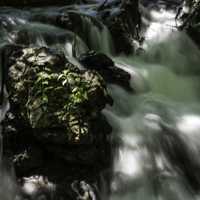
x=54 y=98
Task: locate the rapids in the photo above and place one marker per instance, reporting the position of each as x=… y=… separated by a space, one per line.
x=157 y=128
x=158 y=156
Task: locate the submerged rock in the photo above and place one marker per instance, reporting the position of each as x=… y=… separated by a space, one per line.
x=106 y=67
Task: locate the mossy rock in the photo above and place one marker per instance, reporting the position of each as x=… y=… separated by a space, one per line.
x=50 y=93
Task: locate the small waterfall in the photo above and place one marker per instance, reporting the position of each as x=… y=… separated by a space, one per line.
x=18 y=27
x=103 y=40
x=99 y=37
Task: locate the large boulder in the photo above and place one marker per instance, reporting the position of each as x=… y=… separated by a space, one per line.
x=51 y=93
x=54 y=133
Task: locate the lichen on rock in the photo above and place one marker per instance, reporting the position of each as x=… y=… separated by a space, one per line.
x=52 y=93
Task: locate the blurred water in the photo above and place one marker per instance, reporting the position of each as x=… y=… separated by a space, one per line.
x=37 y=27
x=159 y=126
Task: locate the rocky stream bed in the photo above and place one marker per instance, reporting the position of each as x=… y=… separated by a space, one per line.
x=57 y=68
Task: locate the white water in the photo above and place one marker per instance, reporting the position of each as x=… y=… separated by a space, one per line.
x=159 y=126
x=17 y=27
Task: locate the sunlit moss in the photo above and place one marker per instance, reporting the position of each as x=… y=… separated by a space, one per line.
x=60 y=96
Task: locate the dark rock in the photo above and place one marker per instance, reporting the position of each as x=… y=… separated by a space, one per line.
x=28 y=159
x=106 y=67
x=50 y=93
x=191 y=21
x=96 y=150
x=20 y=147
x=85 y=155
x=55 y=110
x=50 y=162
x=100 y=60
x=123 y=20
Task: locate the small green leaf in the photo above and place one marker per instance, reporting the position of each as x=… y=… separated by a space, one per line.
x=64 y=82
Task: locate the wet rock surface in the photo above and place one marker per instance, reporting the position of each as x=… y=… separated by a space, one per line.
x=50 y=93
x=191 y=20
x=54 y=132
x=123 y=20
x=106 y=67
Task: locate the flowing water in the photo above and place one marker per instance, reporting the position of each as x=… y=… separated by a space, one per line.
x=157 y=127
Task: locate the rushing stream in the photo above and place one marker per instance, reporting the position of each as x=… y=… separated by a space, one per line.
x=157 y=126
x=158 y=157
